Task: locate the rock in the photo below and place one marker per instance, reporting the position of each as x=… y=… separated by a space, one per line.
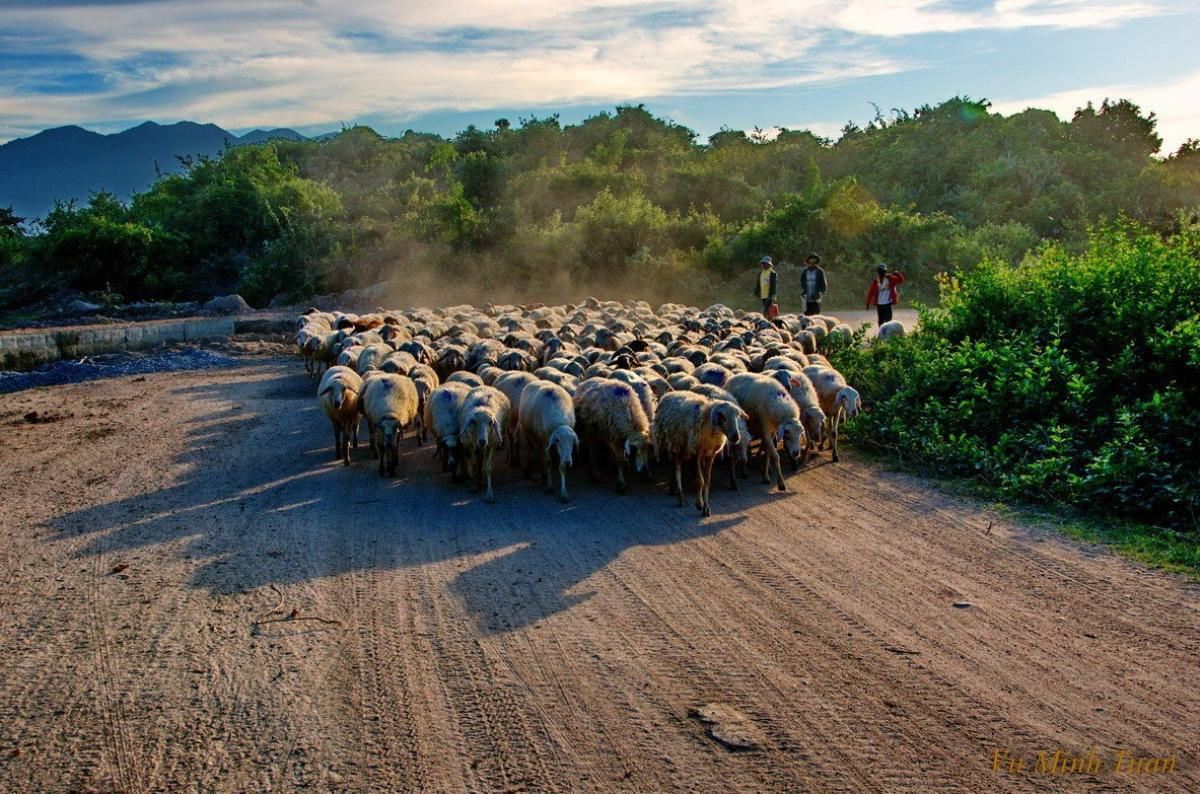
x=962 y=604
x=279 y=301
x=730 y=727
x=82 y=307
x=228 y=304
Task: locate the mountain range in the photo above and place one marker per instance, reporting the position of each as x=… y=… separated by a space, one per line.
x=71 y=162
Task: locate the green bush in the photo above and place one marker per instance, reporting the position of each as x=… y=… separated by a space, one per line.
x=1066 y=378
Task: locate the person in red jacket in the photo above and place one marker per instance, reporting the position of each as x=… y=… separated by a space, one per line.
x=882 y=294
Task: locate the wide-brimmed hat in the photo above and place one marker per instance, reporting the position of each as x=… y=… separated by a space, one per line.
x=881 y=268
x=766 y=260
x=812 y=255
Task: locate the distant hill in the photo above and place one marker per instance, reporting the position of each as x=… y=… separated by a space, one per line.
x=71 y=162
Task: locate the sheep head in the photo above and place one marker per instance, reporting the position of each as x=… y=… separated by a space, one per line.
x=482 y=429
x=791 y=433
x=637 y=451
x=389 y=433
x=848 y=399
x=724 y=417
x=565 y=442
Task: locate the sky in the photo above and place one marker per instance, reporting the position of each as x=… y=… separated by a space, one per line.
x=314 y=65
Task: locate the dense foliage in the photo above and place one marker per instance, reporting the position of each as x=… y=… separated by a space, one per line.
x=619 y=202
x=1069 y=378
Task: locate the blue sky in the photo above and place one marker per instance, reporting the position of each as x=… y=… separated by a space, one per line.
x=313 y=65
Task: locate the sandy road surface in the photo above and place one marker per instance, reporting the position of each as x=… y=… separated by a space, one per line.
x=530 y=646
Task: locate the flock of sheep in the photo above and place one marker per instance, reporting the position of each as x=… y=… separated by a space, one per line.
x=624 y=382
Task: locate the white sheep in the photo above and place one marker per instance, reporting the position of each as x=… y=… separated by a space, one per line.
x=774 y=417
x=426 y=380
x=372 y=356
x=609 y=416
x=738 y=454
x=390 y=405
x=349 y=357
x=691 y=427
x=339 y=395
x=547 y=427
x=441 y=417
x=841 y=333
x=890 y=330
x=558 y=377
x=512 y=384
x=839 y=401
x=812 y=416
x=641 y=387
x=469 y=378
x=482 y=420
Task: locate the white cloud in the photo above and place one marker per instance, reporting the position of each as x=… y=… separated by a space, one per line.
x=1174 y=104
x=279 y=62
x=887 y=18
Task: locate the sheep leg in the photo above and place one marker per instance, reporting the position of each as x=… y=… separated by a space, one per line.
x=354 y=423
x=700 y=487
x=563 y=494
x=708 y=467
x=778 y=467
x=546 y=477
x=833 y=436
x=345 y=452
x=678 y=482
x=420 y=428
x=621 y=486
x=768 y=449
x=488 y=462
x=733 y=486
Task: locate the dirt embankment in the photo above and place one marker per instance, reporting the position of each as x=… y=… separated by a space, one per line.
x=532 y=646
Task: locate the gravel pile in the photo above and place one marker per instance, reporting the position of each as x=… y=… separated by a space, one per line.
x=114 y=365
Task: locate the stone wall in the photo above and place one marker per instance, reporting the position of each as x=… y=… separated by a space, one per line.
x=21 y=350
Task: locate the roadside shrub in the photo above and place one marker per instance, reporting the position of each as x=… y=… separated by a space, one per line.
x=1067 y=378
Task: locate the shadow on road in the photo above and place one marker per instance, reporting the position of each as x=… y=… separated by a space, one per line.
x=255 y=495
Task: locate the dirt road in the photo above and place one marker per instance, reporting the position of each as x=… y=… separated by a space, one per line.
x=148 y=523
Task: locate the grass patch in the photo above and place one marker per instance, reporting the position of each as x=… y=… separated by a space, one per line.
x=1154 y=546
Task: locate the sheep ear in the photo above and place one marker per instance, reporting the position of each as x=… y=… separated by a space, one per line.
x=550 y=444
x=745 y=416
x=793 y=382
x=628 y=448
x=779 y=434
x=713 y=419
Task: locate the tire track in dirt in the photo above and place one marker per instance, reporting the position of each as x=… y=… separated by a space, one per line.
x=533 y=646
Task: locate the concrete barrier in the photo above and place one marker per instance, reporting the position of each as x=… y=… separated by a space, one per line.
x=22 y=350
